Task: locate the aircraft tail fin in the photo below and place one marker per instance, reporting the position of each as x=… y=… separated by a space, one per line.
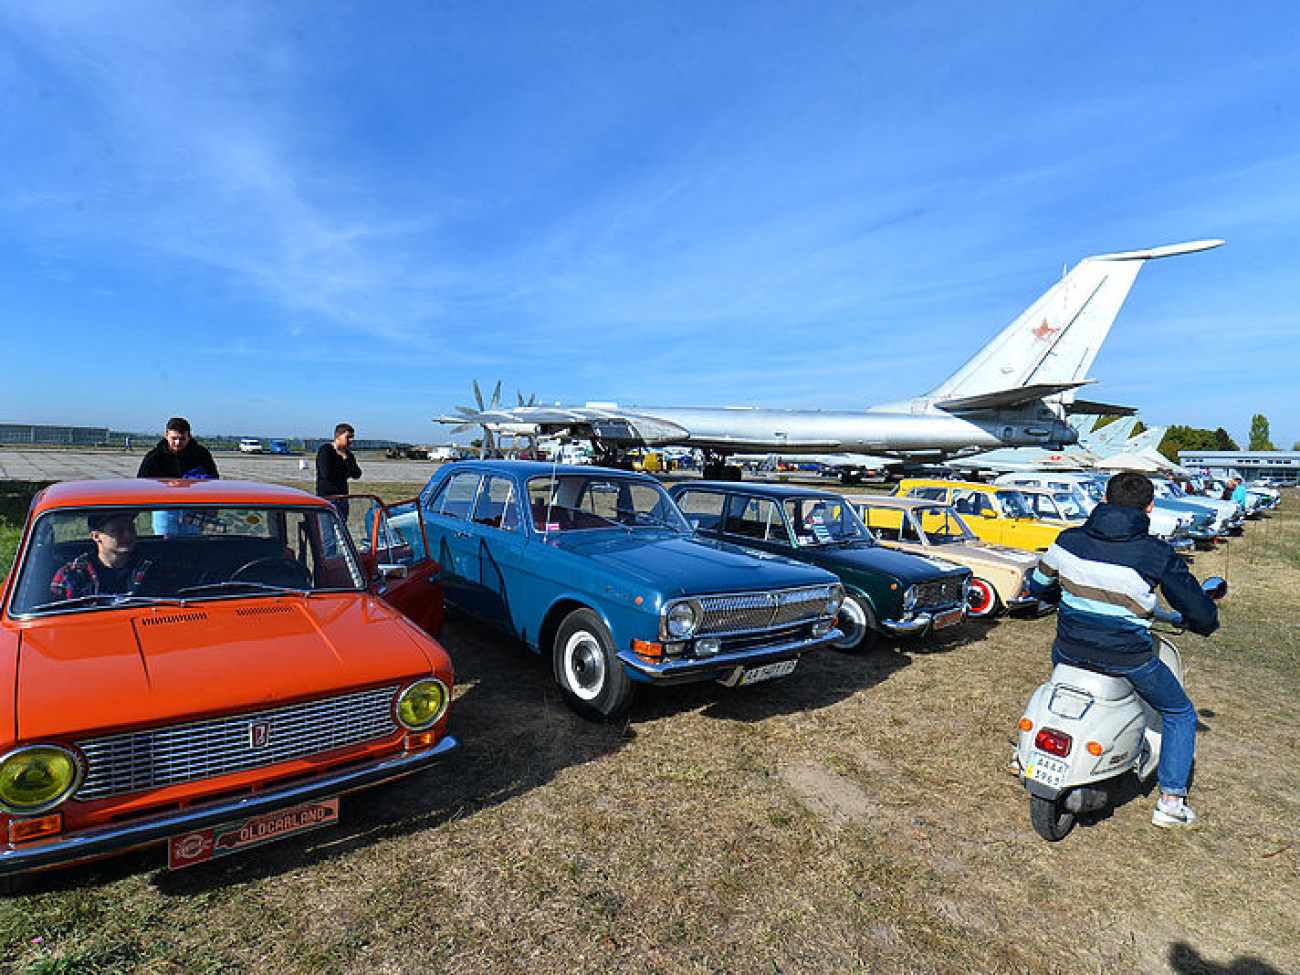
x=1049 y=349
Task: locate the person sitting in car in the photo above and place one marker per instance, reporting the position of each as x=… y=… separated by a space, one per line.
x=113 y=567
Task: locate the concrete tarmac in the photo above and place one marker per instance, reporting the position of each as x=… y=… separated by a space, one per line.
x=38 y=464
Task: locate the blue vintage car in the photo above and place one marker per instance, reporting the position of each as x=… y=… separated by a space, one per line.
x=599 y=570
x=886 y=592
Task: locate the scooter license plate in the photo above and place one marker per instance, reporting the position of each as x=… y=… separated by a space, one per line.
x=1045 y=769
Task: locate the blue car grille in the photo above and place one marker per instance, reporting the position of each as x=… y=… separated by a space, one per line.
x=745 y=611
x=157 y=757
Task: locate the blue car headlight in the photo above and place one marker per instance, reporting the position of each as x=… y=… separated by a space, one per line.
x=681 y=619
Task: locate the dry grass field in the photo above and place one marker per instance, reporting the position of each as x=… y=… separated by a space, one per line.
x=855 y=817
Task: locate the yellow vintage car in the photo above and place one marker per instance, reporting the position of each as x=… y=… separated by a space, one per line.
x=998 y=575
x=998 y=514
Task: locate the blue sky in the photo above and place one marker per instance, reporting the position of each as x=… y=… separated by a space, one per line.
x=271 y=217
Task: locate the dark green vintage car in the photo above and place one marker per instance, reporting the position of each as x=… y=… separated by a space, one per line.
x=885 y=591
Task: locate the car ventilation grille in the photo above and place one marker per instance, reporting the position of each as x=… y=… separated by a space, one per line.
x=263 y=610
x=194 y=617
x=739 y=612
x=157 y=757
x=941 y=592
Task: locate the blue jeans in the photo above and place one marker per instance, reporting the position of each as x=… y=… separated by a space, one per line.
x=1156 y=684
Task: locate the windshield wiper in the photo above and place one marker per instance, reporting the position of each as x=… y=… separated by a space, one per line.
x=108 y=599
x=238 y=585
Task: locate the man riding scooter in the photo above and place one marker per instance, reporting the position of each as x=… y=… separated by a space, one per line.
x=1105 y=573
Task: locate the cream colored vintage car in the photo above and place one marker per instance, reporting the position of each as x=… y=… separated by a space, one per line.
x=999 y=574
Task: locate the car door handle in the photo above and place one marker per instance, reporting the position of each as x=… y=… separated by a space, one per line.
x=462 y=534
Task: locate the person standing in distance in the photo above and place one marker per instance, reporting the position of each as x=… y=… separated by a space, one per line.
x=335 y=463
x=178 y=455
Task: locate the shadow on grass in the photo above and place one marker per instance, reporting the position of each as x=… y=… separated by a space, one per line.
x=1186 y=960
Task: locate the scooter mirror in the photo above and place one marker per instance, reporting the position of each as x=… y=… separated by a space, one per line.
x=1216 y=587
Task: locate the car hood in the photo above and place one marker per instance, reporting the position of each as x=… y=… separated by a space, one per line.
x=117 y=669
x=686 y=565
x=903 y=566
x=985 y=554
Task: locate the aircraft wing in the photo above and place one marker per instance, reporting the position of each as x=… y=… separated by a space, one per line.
x=1094 y=408
x=609 y=424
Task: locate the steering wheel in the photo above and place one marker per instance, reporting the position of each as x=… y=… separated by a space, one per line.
x=274 y=570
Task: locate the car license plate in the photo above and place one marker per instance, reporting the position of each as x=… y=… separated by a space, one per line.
x=1048 y=771
x=949 y=617
x=219 y=841
x=743 y=676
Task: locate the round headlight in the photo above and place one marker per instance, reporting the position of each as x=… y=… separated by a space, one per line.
x=909 y=599
x=682 y=619
x=37 y=778
x=422 y=704
x=834 y=601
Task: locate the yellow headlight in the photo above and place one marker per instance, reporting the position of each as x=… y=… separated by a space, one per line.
x=422 y=704
x=37 y=778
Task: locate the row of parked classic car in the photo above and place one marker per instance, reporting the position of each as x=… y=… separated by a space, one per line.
x=212 y=664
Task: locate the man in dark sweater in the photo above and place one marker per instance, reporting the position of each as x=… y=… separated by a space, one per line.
x=178 y=455
x=335 y=463
x=1105 y=573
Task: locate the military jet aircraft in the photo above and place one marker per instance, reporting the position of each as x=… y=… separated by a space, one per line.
x=1016 y=391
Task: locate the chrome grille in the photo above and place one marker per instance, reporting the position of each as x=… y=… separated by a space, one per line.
x=738 y=612
x=156 y=757
x=941 y=592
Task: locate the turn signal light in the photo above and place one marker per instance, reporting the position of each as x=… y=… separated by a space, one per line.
x=26 y=830
x=654 y=652
x=1095 y=748
x=421 y=740
x=1026 y=724
x=1052 y=742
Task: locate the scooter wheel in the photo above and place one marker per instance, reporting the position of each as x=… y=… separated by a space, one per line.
x=1052 y=821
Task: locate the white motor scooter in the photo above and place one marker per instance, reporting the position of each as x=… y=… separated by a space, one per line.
x=1083 y=729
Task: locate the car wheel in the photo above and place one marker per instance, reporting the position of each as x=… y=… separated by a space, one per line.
x=982 y=599
x=858 y=622
x=590 y=675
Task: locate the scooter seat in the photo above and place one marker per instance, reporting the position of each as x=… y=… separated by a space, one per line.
x=1104 y=687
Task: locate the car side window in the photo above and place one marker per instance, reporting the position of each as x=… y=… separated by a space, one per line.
x=883 y=523
x=703 y=509
x=756 y=518
x=970 y=502
x=456 y=499
x=496 y=507
x=929 y=493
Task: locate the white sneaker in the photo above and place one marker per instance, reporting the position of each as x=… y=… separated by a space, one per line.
x=1171 y=812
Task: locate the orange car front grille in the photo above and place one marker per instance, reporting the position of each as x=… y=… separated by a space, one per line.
x=157 y=757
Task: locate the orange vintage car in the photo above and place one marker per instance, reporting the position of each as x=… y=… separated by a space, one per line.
x=209 y=664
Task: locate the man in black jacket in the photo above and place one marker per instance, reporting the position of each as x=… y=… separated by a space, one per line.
x=335 y=463
x=178 y=455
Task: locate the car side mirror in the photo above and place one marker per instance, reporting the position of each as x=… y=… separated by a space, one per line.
x=1216 y=587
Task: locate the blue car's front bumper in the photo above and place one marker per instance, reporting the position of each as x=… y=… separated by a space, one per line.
x=685 y=670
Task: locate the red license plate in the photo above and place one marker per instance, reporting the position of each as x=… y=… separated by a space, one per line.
x=220 y=841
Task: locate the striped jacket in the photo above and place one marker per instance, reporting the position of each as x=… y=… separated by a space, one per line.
x=1106 y=572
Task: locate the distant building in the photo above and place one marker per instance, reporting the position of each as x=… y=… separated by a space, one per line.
x=1278 y=465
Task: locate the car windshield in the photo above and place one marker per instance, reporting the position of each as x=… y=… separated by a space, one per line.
x=1094 y=489
x=578 y=502
x=1014 y=504
x=943 y=526
x=825 y=521
x=87 y=558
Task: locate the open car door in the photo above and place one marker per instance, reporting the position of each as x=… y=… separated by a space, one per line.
x=394 y=551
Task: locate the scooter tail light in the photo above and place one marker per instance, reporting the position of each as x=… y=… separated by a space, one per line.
x=1052 y=742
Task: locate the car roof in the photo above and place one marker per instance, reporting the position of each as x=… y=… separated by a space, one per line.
x=150 y=491
x=889 y=501
x=532 y=468
x=781 y=491
x=972 y=485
